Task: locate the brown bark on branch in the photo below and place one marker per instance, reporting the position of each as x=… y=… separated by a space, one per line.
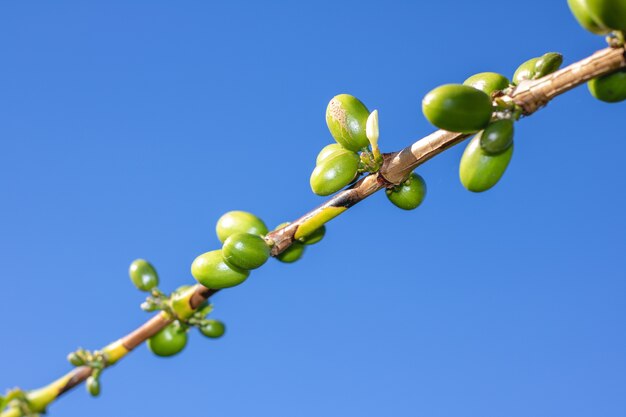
x=529 y=95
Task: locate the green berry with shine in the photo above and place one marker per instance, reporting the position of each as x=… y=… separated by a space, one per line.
x=480 y=171
x=239 y=222
x=609 y=88
x=213 y=329
x=410 y=194
x=143 y=275
x=585 y=19
x=292 y=253
x=547 y=64
x=497 y=137
x=328 y=151
x=210 y=270
x=168 y=341
x=607 y=13
x=93 y=386
x=457 y=108
x=488 y=82
x=526 y=71
x=346 y=117
x=245 y=251
x=334 y=172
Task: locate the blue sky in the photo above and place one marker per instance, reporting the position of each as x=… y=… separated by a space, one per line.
x=128 y=128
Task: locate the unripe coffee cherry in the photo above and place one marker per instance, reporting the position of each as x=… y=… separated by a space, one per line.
x=346 y=117
x=547 y=64
x=213 y=329
x=457 y=108
x=239 y=222
x=488 y=82
x=497 y=137
x=245 y=251
x=93 y=386
x=168 y=341
x=292 y=253
x=334 y=172
x=478 y=170
x=410 y=194
x=538 y=67
x=581 y=13
x=143 y=275
x=327 y=151
x=608 y=13
x=526 y=71
x=210 y=270
x=609 y=88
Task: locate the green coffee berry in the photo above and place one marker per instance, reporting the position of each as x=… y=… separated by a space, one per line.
x=168 y=341
x=408 y=195
x=75 y=360
x=213 y=329
x=328 y=151
x=585 y=19
x=346 y=117
x=210 y=270
x=526 y=71
x=143 y=275
x=488 y=82
x=314 y=237
x=547 y=64
x=239 y=222
x=497 y=137
x=457 y=108
x=334 y=173
x=292 y=253
x=609 y=88
x=478 y=170
x=93 y=386
x=608 y=13
x=245 y=251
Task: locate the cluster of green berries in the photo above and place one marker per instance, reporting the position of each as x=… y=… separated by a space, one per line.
x=173 y=338
x=340 y=163
x=355 y=130
x=474 y=107
x=604 y=17
x=96 y=361
x=17 y=399
x=244 y=248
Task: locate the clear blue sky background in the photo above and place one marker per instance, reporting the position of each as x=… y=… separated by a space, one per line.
x=128 y=128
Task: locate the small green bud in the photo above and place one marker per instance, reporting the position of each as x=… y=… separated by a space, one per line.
x=213 y=329
x=75 y=359
x=93 y=386
x=143 y=275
